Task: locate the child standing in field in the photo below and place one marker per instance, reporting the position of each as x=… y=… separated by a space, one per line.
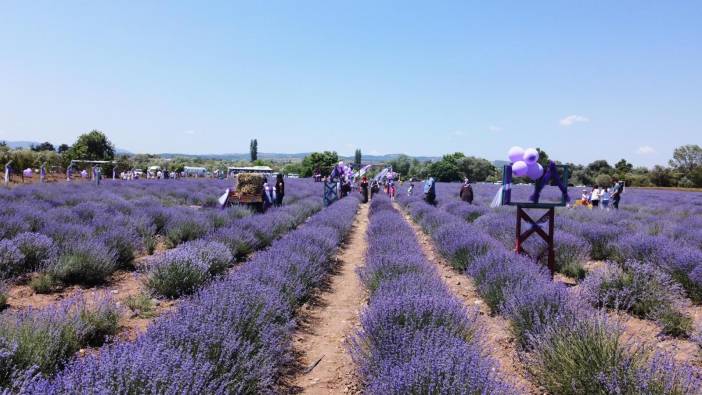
x=595 y=196
x=605 y=200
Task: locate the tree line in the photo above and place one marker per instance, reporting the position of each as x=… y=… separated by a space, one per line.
x=684 y=169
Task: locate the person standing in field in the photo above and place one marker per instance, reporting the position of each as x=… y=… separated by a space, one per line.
x=617 y=192
x=595 y=196
x=604 y=204
x=430 y=191
x=466 y=193
x=364 y=189
x=279 y=190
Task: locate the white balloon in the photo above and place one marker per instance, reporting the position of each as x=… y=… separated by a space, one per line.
x=515 y=154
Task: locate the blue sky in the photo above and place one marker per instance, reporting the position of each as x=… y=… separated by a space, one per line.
x=583 y=80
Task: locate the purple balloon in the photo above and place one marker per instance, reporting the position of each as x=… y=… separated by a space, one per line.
x=519 y=168
x=515 y=154
x=531 y=156
x=535 y=171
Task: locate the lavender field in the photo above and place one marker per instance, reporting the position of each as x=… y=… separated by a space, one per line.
x=148 y=287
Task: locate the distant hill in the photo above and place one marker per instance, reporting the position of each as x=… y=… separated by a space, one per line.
x=295 y=157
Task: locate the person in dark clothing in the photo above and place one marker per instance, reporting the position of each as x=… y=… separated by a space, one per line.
x=364 y=190
x=375 y=188
x=617 y=191
x=279 y=190
x=466 y=192
x=430 y=191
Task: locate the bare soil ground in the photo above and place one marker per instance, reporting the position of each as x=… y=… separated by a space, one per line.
x=328 y=321
x=498 y=342
x=120 y=286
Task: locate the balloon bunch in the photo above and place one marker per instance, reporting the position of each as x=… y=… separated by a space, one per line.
x=342 y=171
x=525 y=162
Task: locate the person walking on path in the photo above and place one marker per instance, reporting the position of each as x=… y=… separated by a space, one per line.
x=466 y=192
x=617 y=192
x=364 y=189
x=279 y=190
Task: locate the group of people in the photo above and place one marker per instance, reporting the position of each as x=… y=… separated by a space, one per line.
x=602 y=197
x=273 y=196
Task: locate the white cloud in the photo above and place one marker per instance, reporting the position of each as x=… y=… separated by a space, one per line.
x=573 y=119
x=190 y=132
x=645 y=150
x=494 y=128
x=458 y=133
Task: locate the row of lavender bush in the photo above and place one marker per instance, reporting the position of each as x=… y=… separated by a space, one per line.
x=416 y=337
x=567 y=346
x=648 y=275
x=82 y=233
x=661 y=228
x=42 y=340
x=184 y=269
x=175 y=273
x=233 y=336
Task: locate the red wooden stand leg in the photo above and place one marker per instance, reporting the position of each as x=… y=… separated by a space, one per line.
x=535 y=228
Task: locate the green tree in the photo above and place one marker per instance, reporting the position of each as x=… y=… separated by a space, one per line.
x=357 y=157
x=63 y=148
x=322 y=161
x=622 y=167
x=476 y=169
x=543 y=157
x=45 y=146
x=662 y=176
x=402 y=164
x=686 y=158
x=447 y=169
x=598 y=167
x=253 y=150
x=92 y=146
x=603 y=180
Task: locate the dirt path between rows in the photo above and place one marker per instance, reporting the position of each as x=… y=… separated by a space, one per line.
x=498 y=341
x=331 y=319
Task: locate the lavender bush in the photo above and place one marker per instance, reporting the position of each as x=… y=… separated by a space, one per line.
x=415 y=337
x=183 y=270
x=3 y=295
x=571 y=252
x=569 y=347
x=11 y=259
x=233 y=336
x=39 y=251
x=641 y=289
x=46 y=339
x=85 y=262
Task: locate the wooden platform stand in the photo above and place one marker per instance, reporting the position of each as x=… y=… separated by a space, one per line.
x=536 y=228
x=331 y=193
